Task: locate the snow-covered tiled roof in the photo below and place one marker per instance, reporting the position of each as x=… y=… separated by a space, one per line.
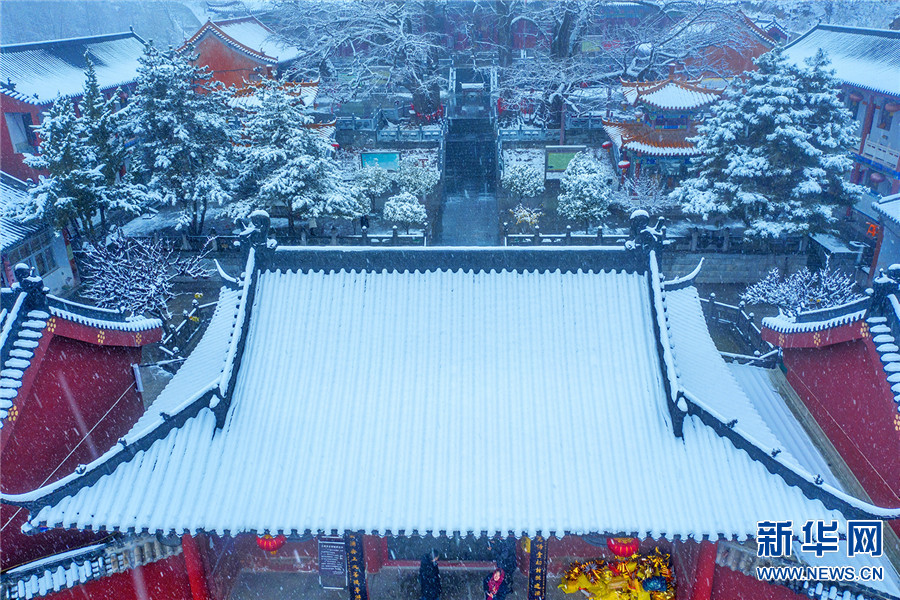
x=638 y=137
x=866 y=58
x=253 y=34
x=669 y=94
x=382 y=401
x=889 y=206
x=41 y=71
x=249 y=35
x=758 y=385
x=12 y=231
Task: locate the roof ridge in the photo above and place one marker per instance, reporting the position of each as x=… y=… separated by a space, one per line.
x=211 y=26
x=99 y=38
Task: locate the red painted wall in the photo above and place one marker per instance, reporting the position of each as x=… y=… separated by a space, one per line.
x=227 y=64
x=846 y=389
x=76 y=384
x=731 y=585
x=163 y=580
x=11 y=162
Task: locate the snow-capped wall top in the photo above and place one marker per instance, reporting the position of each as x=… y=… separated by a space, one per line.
x=41 y=71
x=378 y=373
x=866 y=58
x=889 y=206
x=669 y=94
x=819 y=320
x=13 y=232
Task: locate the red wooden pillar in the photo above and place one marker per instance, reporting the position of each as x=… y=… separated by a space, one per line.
x=705 y=571
x=867 y=123
x=194 y=564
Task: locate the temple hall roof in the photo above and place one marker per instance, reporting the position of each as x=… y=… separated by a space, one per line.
x=378 y=390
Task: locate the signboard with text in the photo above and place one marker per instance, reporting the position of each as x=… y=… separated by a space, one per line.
x=332 y=563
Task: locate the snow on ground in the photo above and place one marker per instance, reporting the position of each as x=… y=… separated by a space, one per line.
x=532 y=157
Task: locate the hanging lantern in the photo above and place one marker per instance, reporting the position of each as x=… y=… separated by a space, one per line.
x=856 y=97
x=624 y=547
x=270 y=544
x=624 y=164
x=876 y=177
x=606 y=145
x=892 y=106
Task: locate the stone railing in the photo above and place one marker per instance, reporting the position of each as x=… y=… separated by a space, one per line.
x=881 y=153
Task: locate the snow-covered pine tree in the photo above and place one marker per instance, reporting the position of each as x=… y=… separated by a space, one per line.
x=586 y=186
x=417 y=179
x=522 y=181
x=70 y=194
x=287 y=165
x=404 y=208
x=374 y=181
x=774 y=153
x=101 y=124
x=804 y=290
x=185 y=150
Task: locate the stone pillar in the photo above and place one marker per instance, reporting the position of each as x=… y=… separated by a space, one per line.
x=705 y=571
x=537 y=569
x=194 y=566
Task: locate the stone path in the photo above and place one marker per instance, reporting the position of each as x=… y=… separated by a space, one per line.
x=470 y=219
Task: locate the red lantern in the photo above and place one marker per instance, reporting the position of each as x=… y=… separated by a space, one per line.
x=892 y=106
x=855 y=97
x=270 y=544
x=624 y=164
x=876 y=177
x=624 y=547
x=606 y=145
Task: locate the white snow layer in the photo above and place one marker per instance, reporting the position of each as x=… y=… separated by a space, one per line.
x=44 y=70
x=868 y=58
x=258 y=37
x=757 y=383
x=452 y=401
x=673 y=96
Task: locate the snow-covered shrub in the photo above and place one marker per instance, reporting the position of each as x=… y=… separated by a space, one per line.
x=587 y=186
x=525 y=215
x=775 y=152
x=804 y=290
x=404 y=208
x=137 y=275
x=416 y=179
x=522 y=181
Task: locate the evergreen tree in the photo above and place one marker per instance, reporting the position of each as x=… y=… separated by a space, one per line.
x=522 y=181
x=185 y=150
x=587 y=186
x=285 y=164
x=405 y=208
x=68 y=196
x=417 y=179
x=774 y=153
x=101 y=124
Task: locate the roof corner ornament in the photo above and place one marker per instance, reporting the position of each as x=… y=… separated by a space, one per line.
x=32 y=285
x=256 y=235
x=645 y=238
